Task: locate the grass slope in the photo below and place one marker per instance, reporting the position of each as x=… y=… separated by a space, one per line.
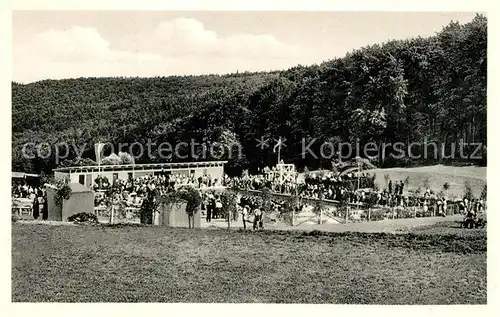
x=149 y=264
x=437 y=175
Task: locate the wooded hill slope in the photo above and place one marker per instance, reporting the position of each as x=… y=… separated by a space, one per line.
x=399 y=91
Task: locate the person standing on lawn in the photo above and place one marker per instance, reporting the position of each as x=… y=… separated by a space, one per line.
x=210 y=206
x=244 y=214
x=238 y=204
x=445 y=206
x=439 y=206
x=36 y=207
x=45 y=212
x=261 y=220
x=218 y=206
x=257 y=218
x=426 y=207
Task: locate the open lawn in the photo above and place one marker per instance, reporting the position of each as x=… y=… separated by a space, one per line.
x=386 y=225
x=437 y=175
x=447 y=228
x=155 y=264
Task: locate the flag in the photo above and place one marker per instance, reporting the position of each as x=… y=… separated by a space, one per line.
x=98 y=151
x=277 y=145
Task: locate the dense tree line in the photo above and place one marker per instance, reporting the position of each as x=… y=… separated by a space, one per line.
x=401 y=91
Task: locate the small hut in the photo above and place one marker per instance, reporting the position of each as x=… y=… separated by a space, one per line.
x=80 y=200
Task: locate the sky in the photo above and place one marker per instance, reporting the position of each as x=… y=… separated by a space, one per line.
x=72 y=44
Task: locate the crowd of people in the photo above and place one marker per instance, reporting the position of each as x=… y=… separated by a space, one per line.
x=474 y=206
x=36 y=195
x=351 y=188
x=474 y=212
x=134 y=190
x=354 y=189
x=249 y=210
x=211 y=205
x=24 y=190
x=328 y=185
x=164 y=181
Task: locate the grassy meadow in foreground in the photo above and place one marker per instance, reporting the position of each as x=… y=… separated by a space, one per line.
x=152 y=264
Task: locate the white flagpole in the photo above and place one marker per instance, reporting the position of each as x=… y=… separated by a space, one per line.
x=99 y=159
x=279 y=150
x=98 y=149
x=359 y=171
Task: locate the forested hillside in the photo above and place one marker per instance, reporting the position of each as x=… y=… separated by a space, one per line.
x=399 y=91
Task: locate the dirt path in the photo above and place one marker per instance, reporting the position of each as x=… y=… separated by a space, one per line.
x=389 y=225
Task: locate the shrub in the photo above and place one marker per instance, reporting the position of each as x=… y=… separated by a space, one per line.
x=265 y=197
x=484 y=192
x=113 y=159
x=378 y=214
x=404 y=212
x=15 y=218
x=418 y=191
x=318 y=206
x=83 y=217
x=77 y=161
x=386 y=179
x=446 y=186
x=288 y=207
x=46 y=178
x=370 y=200
x=192 y=198
x=126 y=158
x=468 y=191
x=228 y=200
x=426 y=183
x=148 y=206
x=63 y=190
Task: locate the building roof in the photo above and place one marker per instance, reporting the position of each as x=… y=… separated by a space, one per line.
x=23 y=175
x=141 y=167
x=17 y=175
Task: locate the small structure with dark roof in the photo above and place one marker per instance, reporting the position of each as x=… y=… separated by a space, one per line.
x=80 y=200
